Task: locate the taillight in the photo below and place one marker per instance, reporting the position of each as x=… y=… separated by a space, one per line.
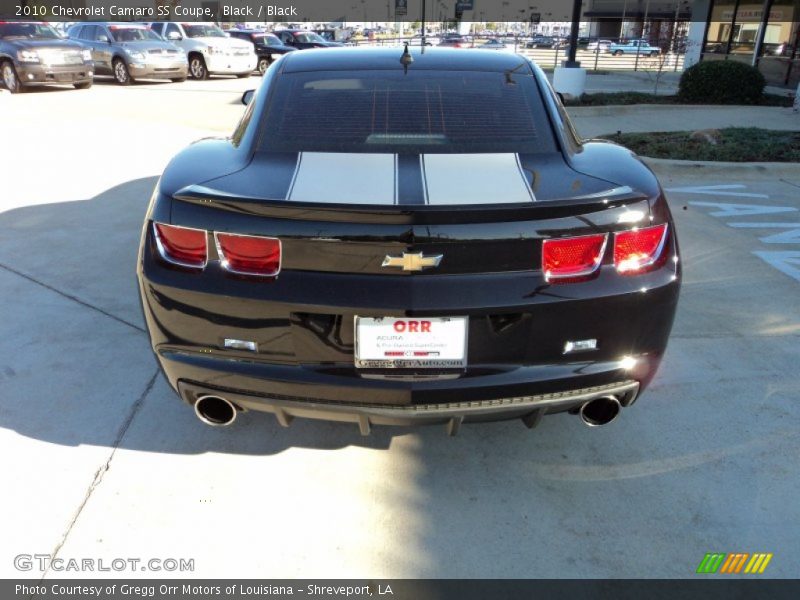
x=249 y=255
x=638 y=249
x=575 y=257
x=181 y=245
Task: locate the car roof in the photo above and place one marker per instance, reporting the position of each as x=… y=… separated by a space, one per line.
x=121 y=24
x=385 y=58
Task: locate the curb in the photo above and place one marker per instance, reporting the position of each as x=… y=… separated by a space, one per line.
x=615 y=110
x=707 y=167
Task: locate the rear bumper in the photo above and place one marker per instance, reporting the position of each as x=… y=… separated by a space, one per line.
x=37 y=74
x=529 y=408
x=519 y=361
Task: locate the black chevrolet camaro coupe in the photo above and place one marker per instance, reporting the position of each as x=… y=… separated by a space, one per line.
x=400 y=238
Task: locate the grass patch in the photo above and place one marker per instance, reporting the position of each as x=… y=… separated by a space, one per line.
x=628 y=98
x=737 y=144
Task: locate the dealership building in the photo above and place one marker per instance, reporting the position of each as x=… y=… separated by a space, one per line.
x=761 y=33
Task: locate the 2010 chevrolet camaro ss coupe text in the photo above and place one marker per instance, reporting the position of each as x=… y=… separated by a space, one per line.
x=395 y=237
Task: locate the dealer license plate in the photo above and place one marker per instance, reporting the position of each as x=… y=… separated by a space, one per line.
x=411 y=342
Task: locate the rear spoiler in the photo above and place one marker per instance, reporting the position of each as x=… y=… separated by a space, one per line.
x=408 y=214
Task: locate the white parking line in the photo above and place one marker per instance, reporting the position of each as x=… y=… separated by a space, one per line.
x=717 y=190
x=785 y=261
x=742 y=210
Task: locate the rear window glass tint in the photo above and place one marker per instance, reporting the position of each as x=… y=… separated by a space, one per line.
x=423 y=111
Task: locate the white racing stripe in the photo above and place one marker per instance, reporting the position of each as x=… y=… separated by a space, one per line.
x=344 y=178
x=475 y=179
x=446 y=179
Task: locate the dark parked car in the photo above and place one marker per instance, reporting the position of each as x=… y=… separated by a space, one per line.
x=267 y=45
x=542 y=41
x=128 y=52
x=32 y=53
x=302 y=39
x=455 y=41
x=395 y=239
x=493 y=44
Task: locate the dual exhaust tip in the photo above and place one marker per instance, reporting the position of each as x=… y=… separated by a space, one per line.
x=600 y=411
x=215 y=411
x=219 y=412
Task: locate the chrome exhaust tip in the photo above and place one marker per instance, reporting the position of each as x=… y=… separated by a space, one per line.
x=600 y=411
x=215 y=411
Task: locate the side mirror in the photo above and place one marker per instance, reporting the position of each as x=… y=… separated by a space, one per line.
x=561 y=97
x=247 y=97
x=174 y=35
x=103 y=38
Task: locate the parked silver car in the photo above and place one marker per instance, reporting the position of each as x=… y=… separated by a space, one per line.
x=129 y=51
x=210 y=50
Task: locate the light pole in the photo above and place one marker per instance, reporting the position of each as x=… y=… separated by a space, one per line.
x=570 y=78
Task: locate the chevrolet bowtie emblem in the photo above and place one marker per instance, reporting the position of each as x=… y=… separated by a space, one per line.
x=412 y=262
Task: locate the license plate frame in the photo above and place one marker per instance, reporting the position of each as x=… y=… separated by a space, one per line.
x=433 y=343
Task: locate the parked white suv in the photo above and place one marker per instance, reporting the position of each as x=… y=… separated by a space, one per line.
x=210 y=51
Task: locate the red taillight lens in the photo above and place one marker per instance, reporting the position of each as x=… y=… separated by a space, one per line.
x=249 y=255
x=568 y=258
x=636 y=250
x=181 y=245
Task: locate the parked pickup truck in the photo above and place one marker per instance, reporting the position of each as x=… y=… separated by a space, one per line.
x=641 y=47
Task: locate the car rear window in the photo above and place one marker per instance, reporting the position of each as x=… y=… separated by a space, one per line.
x=27 y=30
x=419 y=111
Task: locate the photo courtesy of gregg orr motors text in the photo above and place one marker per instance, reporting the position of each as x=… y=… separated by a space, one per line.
x=47 y=562
x=186 y=589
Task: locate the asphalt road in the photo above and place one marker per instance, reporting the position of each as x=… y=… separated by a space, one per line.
x=101 y=460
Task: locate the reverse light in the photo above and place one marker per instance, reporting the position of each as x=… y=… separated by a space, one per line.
x=181 y=245
x=638 y=249
x=574 y=257
x=249 y=254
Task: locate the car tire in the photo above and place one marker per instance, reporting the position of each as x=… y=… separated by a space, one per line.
x=618 y=53
x=263 y=64
x=197 y=67
x=654 y=53
x=11 y=81
x=85 y=85
x=178 y=79
x=121 y=74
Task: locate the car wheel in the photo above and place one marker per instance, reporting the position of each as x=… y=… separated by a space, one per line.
x=617 y=52
x=10 y=79
x=654 y=53
x=178 y=79
x=197 y=67
x=121 y=74
x=263 y=64
x=83 y=86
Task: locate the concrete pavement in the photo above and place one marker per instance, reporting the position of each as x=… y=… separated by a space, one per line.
x=103 y=461
x=592 y=121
